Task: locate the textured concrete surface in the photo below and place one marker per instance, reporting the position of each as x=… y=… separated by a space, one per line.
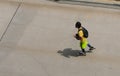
x=5 y=17
x=37 y=40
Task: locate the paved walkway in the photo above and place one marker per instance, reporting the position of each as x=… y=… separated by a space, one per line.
x=93 y=3
x=37 y=39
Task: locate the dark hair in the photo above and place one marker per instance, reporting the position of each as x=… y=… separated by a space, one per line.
x=78 y=24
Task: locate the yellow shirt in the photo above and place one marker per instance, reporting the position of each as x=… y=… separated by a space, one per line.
x=80 y=33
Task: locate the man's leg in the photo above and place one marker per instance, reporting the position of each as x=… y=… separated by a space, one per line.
x=90 y=47
x=83 y=45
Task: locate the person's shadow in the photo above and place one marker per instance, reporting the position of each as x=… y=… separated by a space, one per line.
x=69 y=52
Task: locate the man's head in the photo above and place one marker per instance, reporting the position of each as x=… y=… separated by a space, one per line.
x=78 y=24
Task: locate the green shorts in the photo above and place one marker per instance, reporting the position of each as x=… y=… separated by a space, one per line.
x=83 y=45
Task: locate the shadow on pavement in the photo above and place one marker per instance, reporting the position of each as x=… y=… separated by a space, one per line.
x=68 y=52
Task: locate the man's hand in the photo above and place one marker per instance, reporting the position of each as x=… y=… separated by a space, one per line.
x=77 y=36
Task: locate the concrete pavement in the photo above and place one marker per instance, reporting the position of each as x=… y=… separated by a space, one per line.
x=93 y=3
x=37 y=40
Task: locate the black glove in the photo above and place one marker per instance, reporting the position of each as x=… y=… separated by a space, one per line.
x=77 y=37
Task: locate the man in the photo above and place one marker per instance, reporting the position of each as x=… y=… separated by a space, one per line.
x=82 y=35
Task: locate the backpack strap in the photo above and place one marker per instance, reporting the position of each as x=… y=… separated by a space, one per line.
x=80 y=29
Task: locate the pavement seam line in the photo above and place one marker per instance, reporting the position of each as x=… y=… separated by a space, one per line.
x=94 y=4
x=10 y=22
